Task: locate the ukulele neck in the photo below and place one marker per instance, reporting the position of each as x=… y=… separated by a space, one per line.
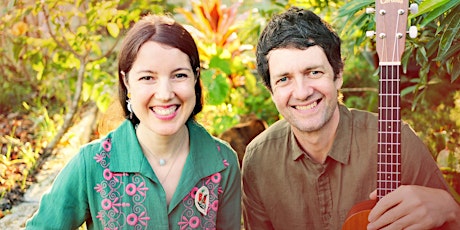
x=389 y=130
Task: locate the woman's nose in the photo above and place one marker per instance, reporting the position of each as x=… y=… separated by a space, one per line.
x=165 y=91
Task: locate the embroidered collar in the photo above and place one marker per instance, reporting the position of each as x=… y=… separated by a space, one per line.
x=126 y=154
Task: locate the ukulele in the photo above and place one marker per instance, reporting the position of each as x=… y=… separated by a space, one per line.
x=391 y=22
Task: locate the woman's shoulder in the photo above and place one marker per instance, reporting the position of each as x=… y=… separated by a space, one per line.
x=95 y=152
x=223 y=146
x=209 y=141
x=95 y=145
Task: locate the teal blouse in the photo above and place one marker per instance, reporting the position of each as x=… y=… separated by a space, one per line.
x=111 y=185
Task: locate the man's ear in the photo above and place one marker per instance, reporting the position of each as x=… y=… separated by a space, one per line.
x=338 y=81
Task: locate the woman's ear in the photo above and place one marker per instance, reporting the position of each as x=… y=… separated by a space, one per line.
x=125 y=80
x=197 y=73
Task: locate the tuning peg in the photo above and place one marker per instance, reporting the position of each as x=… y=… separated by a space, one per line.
x=413 y=8
x=370 y=10
x=370 y=34
x=413 y=31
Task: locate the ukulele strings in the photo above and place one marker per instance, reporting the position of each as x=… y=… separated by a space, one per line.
x=390 y=179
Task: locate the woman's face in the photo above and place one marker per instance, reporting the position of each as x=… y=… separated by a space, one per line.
x=161 y=87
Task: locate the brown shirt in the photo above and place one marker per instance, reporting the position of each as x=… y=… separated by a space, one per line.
x=284 y=189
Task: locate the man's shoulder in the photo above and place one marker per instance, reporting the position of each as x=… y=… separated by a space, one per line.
x=267 y=147
x=360 y=118
x=277 y=132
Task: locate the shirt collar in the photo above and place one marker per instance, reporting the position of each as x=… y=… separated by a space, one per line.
x=340 y=150
x=127 y=156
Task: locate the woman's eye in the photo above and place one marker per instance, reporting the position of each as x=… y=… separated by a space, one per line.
x=146 y=78
x=181 y=75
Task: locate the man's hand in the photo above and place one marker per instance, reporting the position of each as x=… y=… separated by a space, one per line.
x=415 y=207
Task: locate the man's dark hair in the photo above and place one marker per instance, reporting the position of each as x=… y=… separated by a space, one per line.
x=297 y=28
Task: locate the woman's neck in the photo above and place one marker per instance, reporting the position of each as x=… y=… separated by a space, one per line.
x=159 y=145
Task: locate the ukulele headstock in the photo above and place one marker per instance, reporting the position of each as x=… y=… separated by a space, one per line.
x=391 y=24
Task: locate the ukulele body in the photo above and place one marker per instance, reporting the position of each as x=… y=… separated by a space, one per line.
x=357 y=216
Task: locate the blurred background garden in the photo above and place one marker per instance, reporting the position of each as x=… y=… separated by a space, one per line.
x=58 y=59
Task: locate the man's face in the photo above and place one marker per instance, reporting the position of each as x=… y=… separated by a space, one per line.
x=303 y=87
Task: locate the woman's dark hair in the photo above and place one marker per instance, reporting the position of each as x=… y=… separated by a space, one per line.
x=164 y=30
x=297 y=28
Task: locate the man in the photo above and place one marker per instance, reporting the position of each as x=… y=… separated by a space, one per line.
x=307 y=170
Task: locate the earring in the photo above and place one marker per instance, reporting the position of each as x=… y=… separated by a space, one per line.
x=129 y=106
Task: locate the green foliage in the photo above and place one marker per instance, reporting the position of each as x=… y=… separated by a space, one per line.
x=360 y=86
x=430 y=61
x=226 y=47
x=439 y=128
x=55 y=56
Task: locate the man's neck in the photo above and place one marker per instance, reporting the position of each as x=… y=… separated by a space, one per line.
x=317 y=144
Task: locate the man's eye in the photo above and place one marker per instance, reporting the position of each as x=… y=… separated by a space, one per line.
x=315 y=74
x=281 y=80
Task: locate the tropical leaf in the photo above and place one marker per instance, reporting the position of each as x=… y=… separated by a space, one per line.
x=451 y=25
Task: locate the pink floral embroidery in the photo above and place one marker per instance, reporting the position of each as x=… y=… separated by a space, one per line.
x=118 y=191
x=143 y=218
x=98 y=188
x=194 y=222
x=132 y=189
x=133 y=219
x=100 y=215
x=191 y=217
x=216 y=178
x=215 y=205
x=226 y=163
x=99 y=158
x=193 y=192
x=109 y=204
x=106 y=204
x=107 y=145
x=108 y=175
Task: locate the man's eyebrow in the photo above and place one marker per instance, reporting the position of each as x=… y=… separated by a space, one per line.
x=279 y=75
x=310 y=68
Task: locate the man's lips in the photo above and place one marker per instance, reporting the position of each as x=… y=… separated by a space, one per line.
x=309 y=106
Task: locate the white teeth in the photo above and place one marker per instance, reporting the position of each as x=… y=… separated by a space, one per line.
x=306 y=107
x=165 y=111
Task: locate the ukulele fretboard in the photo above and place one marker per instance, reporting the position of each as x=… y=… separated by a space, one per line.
x=389 y=133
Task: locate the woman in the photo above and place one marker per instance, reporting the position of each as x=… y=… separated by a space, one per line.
x=159 y=169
